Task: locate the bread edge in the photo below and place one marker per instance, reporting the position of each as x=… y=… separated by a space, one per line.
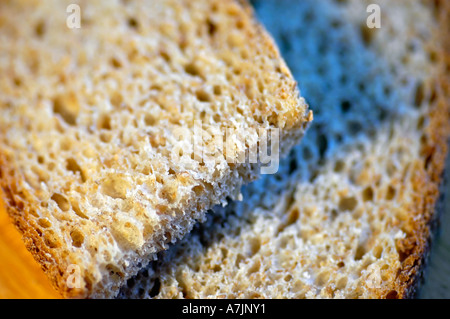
x=431 y=184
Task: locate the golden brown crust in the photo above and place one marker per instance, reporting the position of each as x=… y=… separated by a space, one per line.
x=415 y=248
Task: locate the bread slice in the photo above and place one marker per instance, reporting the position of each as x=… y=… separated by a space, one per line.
x=97 y=166
x=349 y=213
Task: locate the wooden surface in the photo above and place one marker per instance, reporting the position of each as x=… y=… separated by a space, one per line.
x=20 y=276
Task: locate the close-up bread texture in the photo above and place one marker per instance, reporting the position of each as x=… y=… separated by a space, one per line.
x=352 y=210
x=95 y=168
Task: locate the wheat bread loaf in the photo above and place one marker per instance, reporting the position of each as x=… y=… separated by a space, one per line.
x=90 y=118
x=350 y=212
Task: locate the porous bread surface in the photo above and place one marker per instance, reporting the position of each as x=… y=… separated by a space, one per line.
x=90 y=116
x=348 y=214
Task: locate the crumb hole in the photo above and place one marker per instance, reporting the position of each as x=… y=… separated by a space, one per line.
x=434 y=56
x=115 y=63
x=339 y=166
x=203 y=96
x=116 y=99
x=334 y=213
x=62 y=202
x=212 y=28
x=114 y=271
x=217 y=90
x=165 y=56
x=390 y=193
x=105 y=137
x=367 y=34
x=149 y=120
x=322 y=142
x=244 y=54
x=240 y=24
x=65 y=144
x=322 y=278
x=77 y=210
x=345 y=106
x=155 y=289
x=420 y=122
x=254 y=268
x=360 y=252
x=133 y=23
x=51 y=166
x=255 y=245
x=314 y=175
x=216 y=118
x=292 y=165
x=239 y=258
x=428 y=160
x=17 y=82
x=77 y=238
x=39 y=29
x=354 y=127
x=367 y=194
x=44 y=223
x=419 y=95
x=105 y=122
x=67 y=108
x=198 y=190
x=72 y=165
x=347 y=204
x=51 y=240
x=192 y=69
x=377 y=251
x=130 y=283
x=214 y=7
x=433 y=95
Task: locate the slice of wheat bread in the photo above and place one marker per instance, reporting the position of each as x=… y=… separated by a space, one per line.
x=349 y=214
x=90 y=119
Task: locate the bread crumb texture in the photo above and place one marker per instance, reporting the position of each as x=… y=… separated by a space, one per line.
x=349 y=213
x=89 y=118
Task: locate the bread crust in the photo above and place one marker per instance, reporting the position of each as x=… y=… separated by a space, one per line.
x=415 y=248
x=418 y=244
